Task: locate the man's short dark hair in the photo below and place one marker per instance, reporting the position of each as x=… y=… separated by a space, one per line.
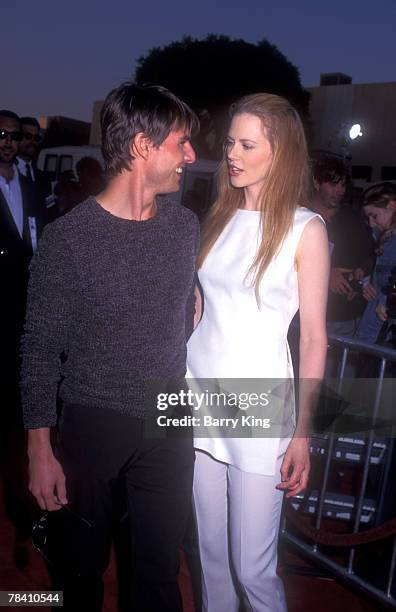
x=379 y=195
x=10 y=115
x=30 y=121
x=329 y=169
x=130 y=109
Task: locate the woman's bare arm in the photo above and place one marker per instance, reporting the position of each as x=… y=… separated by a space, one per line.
x=313 y=265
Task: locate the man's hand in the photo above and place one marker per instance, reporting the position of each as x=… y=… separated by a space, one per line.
x=46 y=478
x=47 y=482
x=338 y=282
x=369 y=292
x=295 y=467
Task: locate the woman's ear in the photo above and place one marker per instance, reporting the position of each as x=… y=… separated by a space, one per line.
x=141 y=145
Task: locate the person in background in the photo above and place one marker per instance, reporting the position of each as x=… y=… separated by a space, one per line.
x=28 y=152
x=67 y=193
x=351 y=245
x=21 y=222
x=379 y=205
x=70 y=191
x=90 y=177
x=330 y=179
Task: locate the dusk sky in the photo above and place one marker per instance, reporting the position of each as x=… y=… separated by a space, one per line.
x=58 y=57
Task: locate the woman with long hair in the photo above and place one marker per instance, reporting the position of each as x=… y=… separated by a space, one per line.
x=379 y=205
x=263 y=257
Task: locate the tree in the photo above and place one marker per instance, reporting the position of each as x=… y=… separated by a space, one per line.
x=210 y=74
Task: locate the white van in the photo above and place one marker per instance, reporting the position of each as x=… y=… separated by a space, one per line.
x=198 y=186
x=56 y=160
x=197 y=189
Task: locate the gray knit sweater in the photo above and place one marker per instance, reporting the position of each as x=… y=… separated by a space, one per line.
x=106 y=309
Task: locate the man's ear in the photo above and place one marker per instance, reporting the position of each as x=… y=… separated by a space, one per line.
x=316 y=184
x=141 y=146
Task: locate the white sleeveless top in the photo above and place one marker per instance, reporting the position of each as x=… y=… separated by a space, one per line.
x=237 y=339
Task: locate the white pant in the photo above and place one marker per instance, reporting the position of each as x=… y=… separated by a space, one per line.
x=238 y=517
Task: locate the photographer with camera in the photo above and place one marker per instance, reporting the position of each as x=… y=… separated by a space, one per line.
x=379 y=205
x=351 y=244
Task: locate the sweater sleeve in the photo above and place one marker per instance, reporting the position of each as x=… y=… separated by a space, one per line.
x=190 y=306
x=49 y=304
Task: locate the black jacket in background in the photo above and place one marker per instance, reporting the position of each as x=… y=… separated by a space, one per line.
x=353 y=248
x=15 y=256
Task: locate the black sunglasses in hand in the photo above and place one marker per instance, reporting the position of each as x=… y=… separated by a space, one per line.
x=41 y=530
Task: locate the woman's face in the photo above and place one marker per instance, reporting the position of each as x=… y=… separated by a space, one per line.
x=248 y=152
x=380 y=218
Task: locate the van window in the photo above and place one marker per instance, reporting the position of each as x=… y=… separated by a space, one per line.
x=65 y=164
x=50 y=166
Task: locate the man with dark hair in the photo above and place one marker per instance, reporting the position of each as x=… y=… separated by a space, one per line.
x=20 y=226
x=330 y=179
x=29 y=147
x=350 y=241
x=28 y=152
x=108 y=297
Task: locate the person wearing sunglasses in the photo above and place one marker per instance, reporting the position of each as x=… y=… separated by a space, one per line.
x=29 y=148
x=28 y=151
x=21 y=222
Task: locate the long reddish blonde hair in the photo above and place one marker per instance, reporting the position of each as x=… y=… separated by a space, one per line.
x=286 y=186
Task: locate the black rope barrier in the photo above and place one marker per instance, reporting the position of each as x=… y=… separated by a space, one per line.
x=328 y=538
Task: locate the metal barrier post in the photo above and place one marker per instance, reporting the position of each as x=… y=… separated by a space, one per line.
x=391 y=575
x=330 y=446
x=384 y=595
x=366 y=468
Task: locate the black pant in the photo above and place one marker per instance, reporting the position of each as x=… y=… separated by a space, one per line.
x=105 y=454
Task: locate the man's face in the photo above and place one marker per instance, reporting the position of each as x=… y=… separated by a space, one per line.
x=9 y=131
x=29 y=146
x=167 y=161
x=331 y=193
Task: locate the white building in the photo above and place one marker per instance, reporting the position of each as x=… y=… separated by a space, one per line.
x=335 y=108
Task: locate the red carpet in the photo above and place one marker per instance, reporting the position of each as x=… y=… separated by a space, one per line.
x=304 y=594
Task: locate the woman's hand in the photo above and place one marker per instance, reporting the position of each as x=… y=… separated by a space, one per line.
x=295 y=467
x=198 y=306
x=381 y=312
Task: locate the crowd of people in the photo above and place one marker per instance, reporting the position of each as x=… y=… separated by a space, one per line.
x=113 y=287
x=363 y=250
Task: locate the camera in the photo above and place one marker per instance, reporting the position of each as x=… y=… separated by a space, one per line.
x=356 y=285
